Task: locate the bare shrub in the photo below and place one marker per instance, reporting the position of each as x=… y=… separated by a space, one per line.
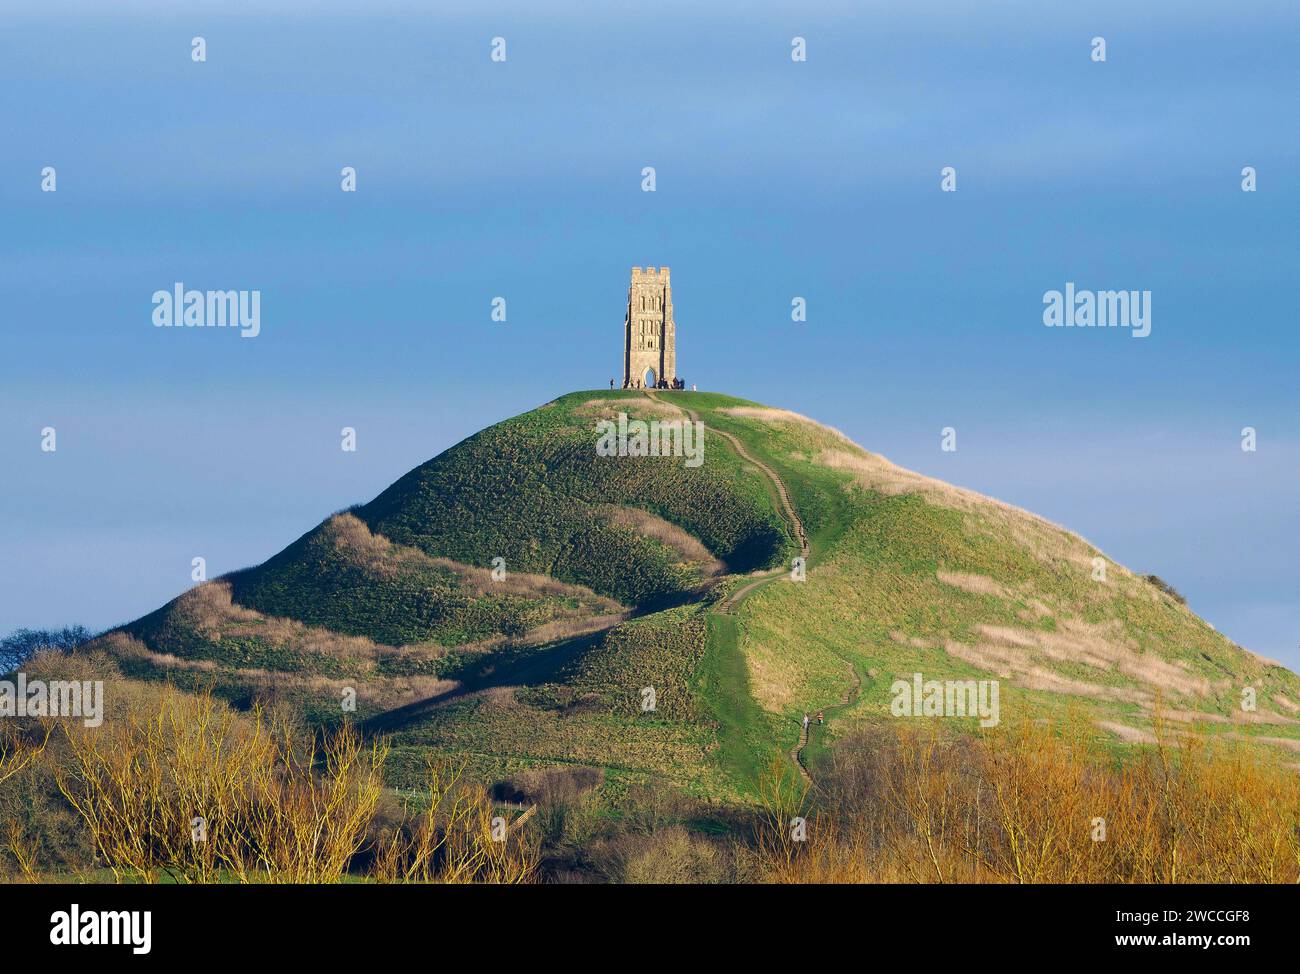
x=551 y=785
x=668 y=855
x=1165 y=587
x=1032 y=804
x=17 y=750
x=457 y=838
x=650 y=807
x=195 y=792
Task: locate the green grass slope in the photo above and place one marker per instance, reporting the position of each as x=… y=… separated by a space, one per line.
x=614 y=571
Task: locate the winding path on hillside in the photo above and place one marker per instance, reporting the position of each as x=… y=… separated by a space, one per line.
x=534 y=669
x=850 y=698
x=729 y=602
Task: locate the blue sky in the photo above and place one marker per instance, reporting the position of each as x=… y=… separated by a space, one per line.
x=523 y=179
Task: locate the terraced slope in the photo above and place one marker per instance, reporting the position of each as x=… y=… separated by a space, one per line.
x=616 y=572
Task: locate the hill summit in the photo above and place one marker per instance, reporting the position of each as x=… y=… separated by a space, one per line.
x=525 y=600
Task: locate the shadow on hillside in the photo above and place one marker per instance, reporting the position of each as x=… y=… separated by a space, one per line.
x=525 y=667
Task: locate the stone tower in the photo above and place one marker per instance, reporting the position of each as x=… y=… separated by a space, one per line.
x=649 y=333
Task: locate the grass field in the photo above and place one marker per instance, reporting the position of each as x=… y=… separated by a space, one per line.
x=613 y=571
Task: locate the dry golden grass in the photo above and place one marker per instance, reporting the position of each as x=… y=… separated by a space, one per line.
x=383 y=557
x=559 y=629
x=1262 y=717
x=1021 y=653
x=1049 y=542
x=353 y=539
x=1029 y=805
x=876 y=473
x=974 y=584
x=479 y=582
x=1193 y=717
x=1036 y=611
x=1127 y=734
x=772 y=677
x=1016 y=663
x=384 y=692
x=1258 y=658
x=1290 y=743
x=637 y=407
x=768 y=414
x=210 y=610
x=781 y=665
x=1286 y=703
x=669 y=534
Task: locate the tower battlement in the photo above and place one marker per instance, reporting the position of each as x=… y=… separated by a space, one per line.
x=650 y=274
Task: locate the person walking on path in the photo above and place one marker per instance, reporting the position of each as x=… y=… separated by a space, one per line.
x=805 y=722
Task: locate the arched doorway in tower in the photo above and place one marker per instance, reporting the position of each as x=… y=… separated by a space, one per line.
x=649 y=378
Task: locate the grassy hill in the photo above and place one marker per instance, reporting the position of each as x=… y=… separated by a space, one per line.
x=619 y=578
